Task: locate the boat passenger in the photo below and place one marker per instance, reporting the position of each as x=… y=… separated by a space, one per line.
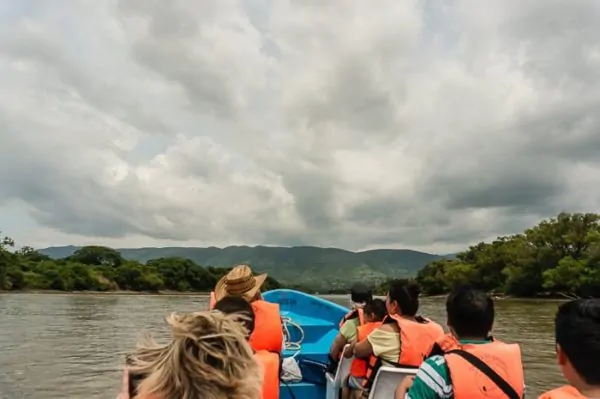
x=240 y=282
x=404 y=339
x=374 y=313
x=469 y=363
x=577 y=329
x=269 y=361
x=360 y=294
x=207 y=357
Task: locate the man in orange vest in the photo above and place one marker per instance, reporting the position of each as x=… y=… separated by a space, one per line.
x=577 y=329
x=241 y=282
x=468 y=363
x=269 y=361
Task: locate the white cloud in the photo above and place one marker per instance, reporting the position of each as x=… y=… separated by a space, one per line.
x=414 y=124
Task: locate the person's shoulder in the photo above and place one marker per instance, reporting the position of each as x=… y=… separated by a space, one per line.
x=432 y=380
x=436 y=362
x=349 y=328
x=561 y=392
x=388 y=327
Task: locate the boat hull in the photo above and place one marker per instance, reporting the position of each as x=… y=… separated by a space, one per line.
x=319 y=320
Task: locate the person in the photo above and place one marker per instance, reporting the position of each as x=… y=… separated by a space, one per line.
x=269 y=361
x=360 y=294
x=207 y=357
x=577 y=329
x=374 y=313
x=241 y=282
x=468 y=363
x=404 y=339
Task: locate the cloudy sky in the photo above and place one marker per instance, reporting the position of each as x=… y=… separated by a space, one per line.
x=424 y=124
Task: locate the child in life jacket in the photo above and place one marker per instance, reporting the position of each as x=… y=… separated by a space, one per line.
x=577 y=329
x=360 y=294
x=468 y=363
x=374 y=313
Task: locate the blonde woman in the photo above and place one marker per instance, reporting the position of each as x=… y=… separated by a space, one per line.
x=208 y=358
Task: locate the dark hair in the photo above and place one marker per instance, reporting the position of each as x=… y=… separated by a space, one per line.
x=406 y=294
x=376 y=307
x=237 y=305
x=360 y=293
x=470 y=312
x=578 y=334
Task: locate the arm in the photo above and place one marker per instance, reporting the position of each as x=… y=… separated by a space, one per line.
x=349 y=351
x=338 y=346
x=403 y=388
x=376 y=343
x=363 y=350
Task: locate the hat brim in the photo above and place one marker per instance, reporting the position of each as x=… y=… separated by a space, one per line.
x=221 y=288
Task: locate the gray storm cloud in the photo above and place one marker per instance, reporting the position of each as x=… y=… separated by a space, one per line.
x=407 y=124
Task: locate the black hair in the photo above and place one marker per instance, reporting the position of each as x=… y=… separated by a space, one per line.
x=406 y=294
x=237 y=305
x=360 y=293
x=578 y=334
x=470 y=312
x=377 y=308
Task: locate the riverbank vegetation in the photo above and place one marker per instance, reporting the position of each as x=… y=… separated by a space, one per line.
x=95 y=268
x=558 y=257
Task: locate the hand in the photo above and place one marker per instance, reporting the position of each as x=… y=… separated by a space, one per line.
x=124 y=393
x=403 y=387
x=349 y=351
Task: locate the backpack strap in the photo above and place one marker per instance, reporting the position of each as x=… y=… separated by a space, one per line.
x=508 y=390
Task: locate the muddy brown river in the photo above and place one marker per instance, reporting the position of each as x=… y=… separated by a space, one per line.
x=72 y=346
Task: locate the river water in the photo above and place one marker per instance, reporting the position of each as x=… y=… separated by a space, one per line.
x=72 y=346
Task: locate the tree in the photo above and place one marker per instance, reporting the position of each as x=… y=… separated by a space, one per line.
x=102 y=268
x=6 y=258
x=97 y=255
x=559 y=255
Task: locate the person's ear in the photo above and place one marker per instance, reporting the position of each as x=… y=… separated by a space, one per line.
x=561 y=357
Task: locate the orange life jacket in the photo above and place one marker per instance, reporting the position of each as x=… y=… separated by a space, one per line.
x=270 y=363
x=353 y=314
x=268 y=332
x=564 y=392
x=416 y=339
x=470 y=381
x=358 y=368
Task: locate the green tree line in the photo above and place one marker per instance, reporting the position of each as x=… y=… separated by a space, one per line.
x=558 y=257
x=96 y=268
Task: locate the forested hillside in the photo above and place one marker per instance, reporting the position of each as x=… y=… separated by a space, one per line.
x=322 y=269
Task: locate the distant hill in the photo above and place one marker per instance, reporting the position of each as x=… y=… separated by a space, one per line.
x=316 y=267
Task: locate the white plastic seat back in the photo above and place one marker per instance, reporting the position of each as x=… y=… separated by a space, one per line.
x=334 y=382
x=387 y=380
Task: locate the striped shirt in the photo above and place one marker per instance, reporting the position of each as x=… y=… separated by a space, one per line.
x=433 y=378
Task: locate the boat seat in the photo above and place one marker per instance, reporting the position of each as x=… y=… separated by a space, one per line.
x=334 y=382
x=387 y=380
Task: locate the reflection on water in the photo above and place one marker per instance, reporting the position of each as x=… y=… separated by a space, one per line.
x=59 y=346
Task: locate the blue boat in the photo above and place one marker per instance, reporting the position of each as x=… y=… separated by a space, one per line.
x=312 y=324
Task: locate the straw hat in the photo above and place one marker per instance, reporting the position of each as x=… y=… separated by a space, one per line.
x=239 y=282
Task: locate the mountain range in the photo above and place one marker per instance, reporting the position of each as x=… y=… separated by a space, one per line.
x=315 y=267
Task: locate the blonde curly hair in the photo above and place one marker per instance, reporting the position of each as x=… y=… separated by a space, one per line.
x=208 y=358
